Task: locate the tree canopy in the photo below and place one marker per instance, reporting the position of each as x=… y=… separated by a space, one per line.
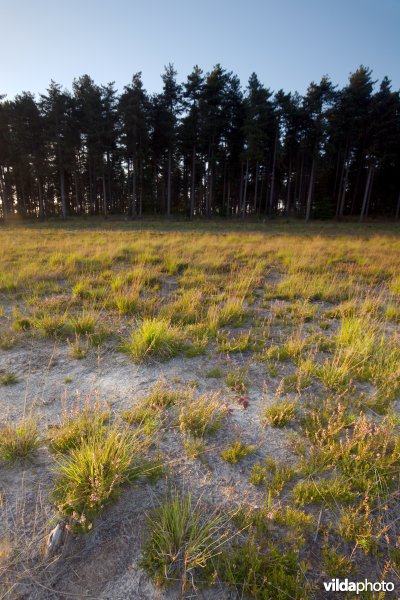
x=204 y=147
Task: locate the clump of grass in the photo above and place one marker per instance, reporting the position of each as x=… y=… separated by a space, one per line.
x=21 y=323
x=242 y=343
x=202 y=415
x=83 y=324
x=19 y=440
x=127 y=302
x=237 y=451
x=237 y=379
x=77 y=426
x=92 y=473
x=8 y=378
x=194 y=446
x=147 y=412
x=183 y=539
x=7 y=341
x=79 y=349
x=280 y=412
x=154 y=337
x=51 y=325
x=215 y=373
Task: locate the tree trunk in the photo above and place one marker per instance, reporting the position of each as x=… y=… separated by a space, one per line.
x=243 y=207
x=193 y=182
x=41 y=201
x=366 y=193
x=62 y=183
x=3 y=188
x=255 y=190
x=134 y=196
x=288 y=187
x=169 y=185
x=271 y=196
x=104 y=196
x=343 y=190
x=310 y=191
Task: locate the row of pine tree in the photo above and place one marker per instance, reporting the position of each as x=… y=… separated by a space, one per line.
x=202 y=148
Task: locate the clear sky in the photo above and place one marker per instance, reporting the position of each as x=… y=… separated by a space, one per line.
x=288 y=43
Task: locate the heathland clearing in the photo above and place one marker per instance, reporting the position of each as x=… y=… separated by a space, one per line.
x=151 y=374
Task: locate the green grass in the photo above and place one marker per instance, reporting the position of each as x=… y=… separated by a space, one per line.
x=155 y=338
x=280 y=412
x=201 y=415
x=78 y=426
x=8 y=378
x=19 y=440
x=183 y=539
x=236 y=451
x=92 y=473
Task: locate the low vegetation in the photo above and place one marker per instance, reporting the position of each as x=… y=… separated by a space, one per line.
x=258 y=371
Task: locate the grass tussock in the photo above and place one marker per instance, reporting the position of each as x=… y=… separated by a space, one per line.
x=154 y=338
x=202 y=415
x=19 y=440
x=92 y=474
x=183 y=540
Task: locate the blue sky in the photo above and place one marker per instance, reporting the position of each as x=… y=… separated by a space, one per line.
x=288 y=43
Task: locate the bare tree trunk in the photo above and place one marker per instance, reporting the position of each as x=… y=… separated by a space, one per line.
x=193 y=182
x=310 y=191
x=228 y=199
x=241 y=186
x=343 y=190
x=134 y=182
x=288 y=187
x=104 y=196
x=370 y=192
x=366 y=193
x=255 y=190
x=62 y=182
x=271 y=196
x=300 y=193
x=243 y=207
x=169 y=185
x=41 y=201
x=4 y=193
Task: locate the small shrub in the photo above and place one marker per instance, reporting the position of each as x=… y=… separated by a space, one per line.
x=262 y=573
x=328 y=491
x=237 y=451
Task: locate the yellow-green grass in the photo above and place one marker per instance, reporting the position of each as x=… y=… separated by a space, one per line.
x=316 y=312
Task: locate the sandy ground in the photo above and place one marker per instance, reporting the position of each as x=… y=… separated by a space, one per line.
x=104 y=562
